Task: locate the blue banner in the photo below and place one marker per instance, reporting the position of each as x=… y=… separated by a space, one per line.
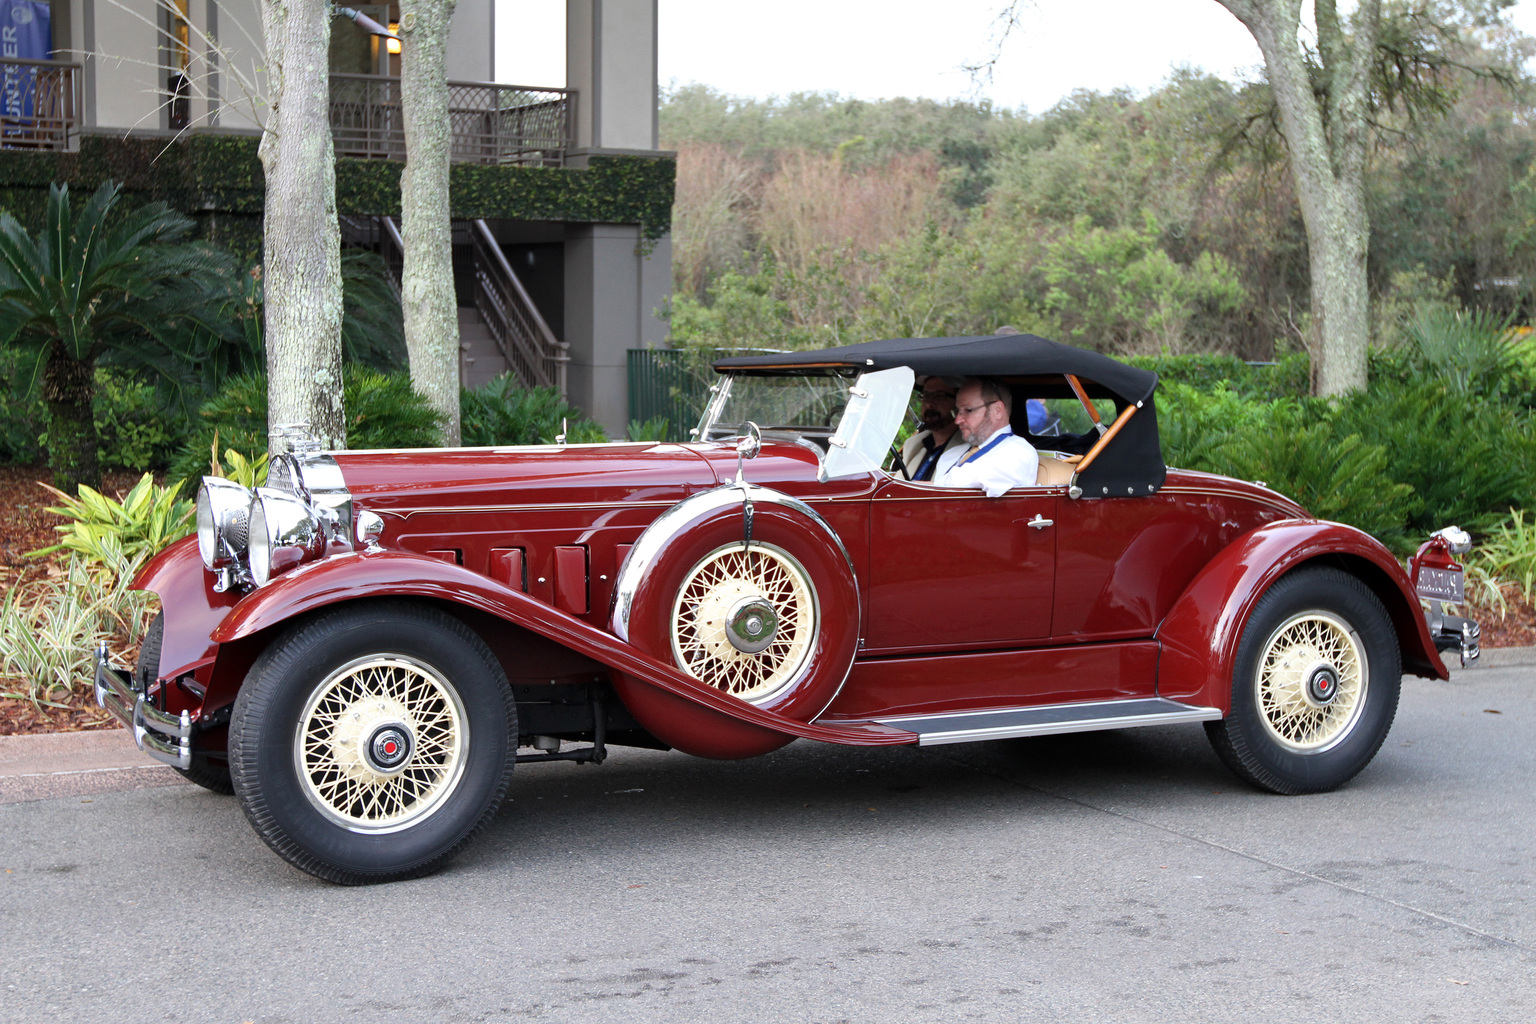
x=26 y=32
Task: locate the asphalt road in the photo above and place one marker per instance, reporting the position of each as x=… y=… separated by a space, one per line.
x=1103 y=877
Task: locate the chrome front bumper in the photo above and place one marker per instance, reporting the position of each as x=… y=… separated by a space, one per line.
x=163 y=737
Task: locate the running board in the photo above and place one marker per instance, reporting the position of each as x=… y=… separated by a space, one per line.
x=1044 y=720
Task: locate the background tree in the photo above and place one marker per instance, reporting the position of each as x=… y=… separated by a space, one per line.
x=91 y=284
x=1324 y=118
x=302 y=237
x=427 y=293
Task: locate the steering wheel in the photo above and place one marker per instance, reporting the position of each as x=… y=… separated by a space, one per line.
x=899 y=464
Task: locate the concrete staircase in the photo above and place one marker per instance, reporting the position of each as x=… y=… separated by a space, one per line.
x=480 y=359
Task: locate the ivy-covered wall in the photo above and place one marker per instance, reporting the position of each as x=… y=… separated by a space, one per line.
x=218 y=180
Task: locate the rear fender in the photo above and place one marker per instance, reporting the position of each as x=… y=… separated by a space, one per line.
x=367 y=575
x=1200 y=635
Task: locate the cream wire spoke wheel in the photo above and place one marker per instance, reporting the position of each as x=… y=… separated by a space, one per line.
x=381 y=743
x=1311 y=681
x=745 y=620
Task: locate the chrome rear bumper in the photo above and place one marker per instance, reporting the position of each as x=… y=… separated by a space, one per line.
x=163 y=737
x=1453 y=633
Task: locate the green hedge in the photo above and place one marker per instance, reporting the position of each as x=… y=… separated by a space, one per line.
x=219 y=180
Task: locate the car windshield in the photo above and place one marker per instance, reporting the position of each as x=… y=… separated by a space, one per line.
x=802 y=405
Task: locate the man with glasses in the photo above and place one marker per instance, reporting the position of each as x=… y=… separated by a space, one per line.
x=933 y=449
x=996 y=459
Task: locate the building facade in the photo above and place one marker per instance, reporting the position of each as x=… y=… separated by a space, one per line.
x=561 y=187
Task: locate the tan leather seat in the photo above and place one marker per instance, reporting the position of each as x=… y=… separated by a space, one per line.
x=1056 y=470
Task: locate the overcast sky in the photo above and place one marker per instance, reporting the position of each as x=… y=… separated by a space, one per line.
x=874 y=49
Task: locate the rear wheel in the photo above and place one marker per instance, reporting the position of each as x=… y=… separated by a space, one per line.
x=1315 y=685
x=373 y=743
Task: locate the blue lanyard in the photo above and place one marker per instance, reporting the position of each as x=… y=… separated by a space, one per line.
x=978 y=453
x=925 y=468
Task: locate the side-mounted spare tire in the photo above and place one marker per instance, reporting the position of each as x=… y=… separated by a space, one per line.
x=772 y=620
x=1315 y=684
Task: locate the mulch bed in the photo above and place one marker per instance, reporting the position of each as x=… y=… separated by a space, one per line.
x=25 y=525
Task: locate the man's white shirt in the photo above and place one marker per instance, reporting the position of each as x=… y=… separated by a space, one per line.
x=1009 y=462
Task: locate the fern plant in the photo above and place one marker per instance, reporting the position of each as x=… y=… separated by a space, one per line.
x=502 y=412
x=1333 y=475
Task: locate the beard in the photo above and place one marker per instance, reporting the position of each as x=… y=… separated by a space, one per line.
x=934 y=420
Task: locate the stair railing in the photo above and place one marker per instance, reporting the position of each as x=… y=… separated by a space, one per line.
x=530 y=348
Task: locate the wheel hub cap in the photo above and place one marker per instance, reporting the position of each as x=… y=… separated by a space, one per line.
x=751 y=624
x=1322 y=685
x=744 y=621
x=389 y=748
x=381 y=744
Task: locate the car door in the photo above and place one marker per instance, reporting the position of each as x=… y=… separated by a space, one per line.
x=956 y=570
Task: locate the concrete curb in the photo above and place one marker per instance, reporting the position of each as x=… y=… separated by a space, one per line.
x=76 y=764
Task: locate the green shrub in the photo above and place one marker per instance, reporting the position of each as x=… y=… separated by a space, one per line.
x=382 y=410
x=653 y=429
x=504 y=413
x=134 y=431
x=1194 y=423
x=50 y=629
x=23 y=417
x=1298 y=451
x=1288 y=377
x=1467 y=458
x=119 y=535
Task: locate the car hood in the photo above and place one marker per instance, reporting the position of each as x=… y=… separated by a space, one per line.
x=532 y=474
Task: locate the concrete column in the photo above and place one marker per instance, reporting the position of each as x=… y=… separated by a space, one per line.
x=612 y=293
x=610 y=60
x=472 y=41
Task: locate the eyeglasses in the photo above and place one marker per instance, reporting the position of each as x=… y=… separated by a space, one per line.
x=934 y=396
x=974 y=409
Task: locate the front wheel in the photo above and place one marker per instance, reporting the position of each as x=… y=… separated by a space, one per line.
x=372 y=743
x=1314 y=687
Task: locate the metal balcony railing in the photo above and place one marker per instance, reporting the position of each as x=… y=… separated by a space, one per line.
x=39 y=103
x=492 y=124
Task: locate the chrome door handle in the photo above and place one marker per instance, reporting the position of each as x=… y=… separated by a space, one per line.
x=1040 y=522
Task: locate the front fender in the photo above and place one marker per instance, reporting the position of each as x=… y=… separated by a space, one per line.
x=366 y=574
x=193 y=609
x=1200 y=635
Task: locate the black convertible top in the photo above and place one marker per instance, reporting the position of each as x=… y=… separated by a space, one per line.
x=1033 y=367
x=996 y=355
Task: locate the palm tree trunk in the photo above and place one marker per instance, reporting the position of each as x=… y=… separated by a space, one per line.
x=69 y=384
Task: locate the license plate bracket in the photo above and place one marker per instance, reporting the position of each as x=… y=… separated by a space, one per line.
x=1442 y=585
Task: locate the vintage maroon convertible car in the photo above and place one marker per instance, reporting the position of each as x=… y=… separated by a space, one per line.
x=359 y=649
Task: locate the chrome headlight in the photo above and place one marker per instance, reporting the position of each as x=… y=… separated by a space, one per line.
x=223 y=521
x=284 y=533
